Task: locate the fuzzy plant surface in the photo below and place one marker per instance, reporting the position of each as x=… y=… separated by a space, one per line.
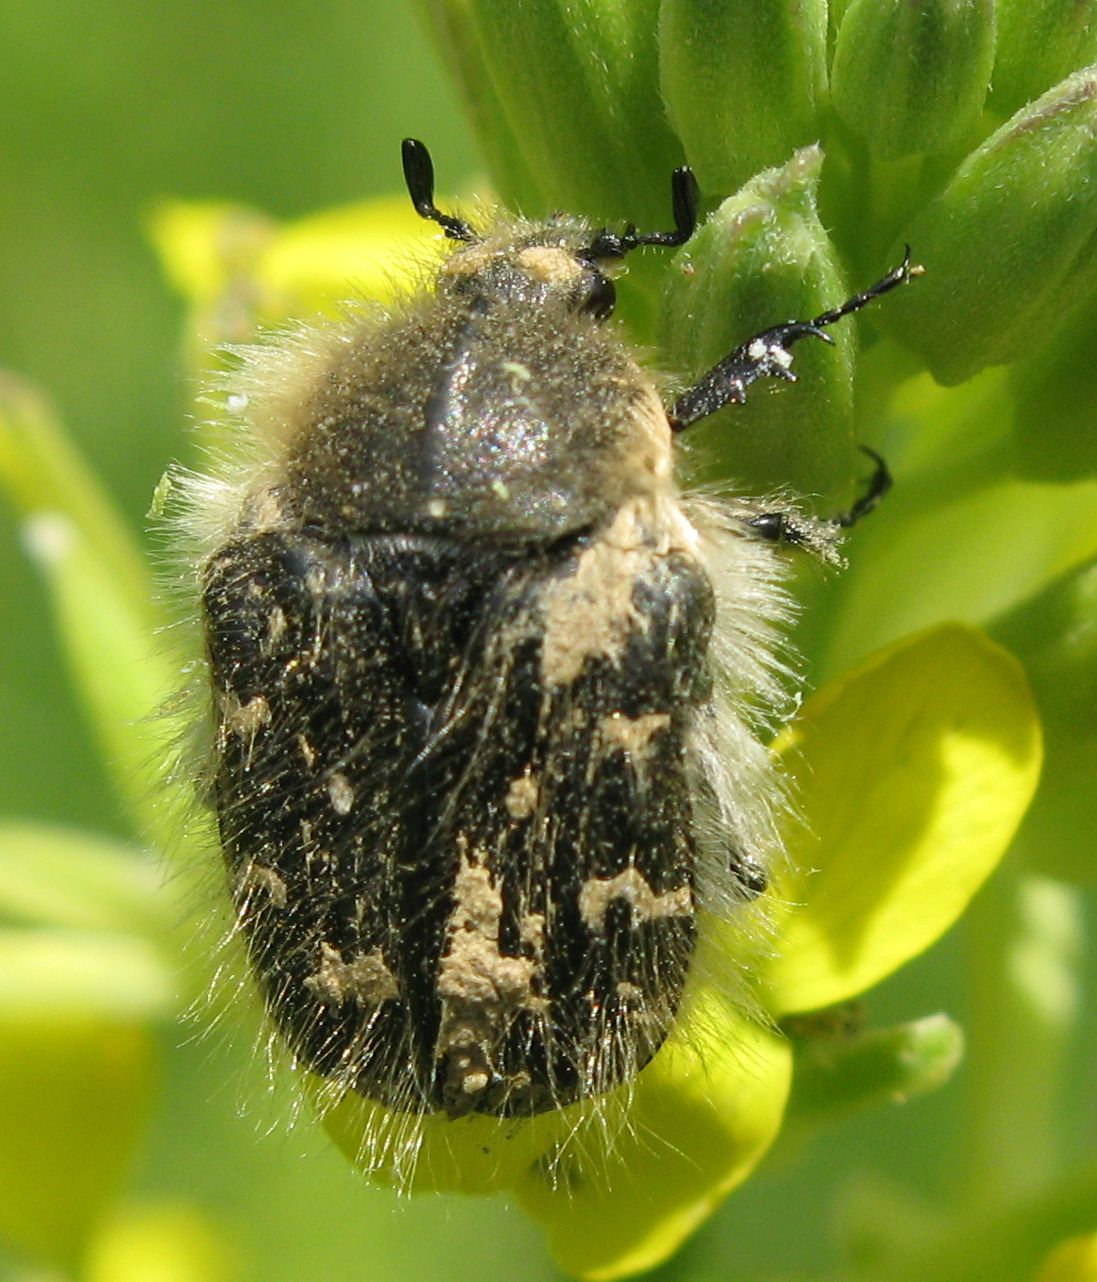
x=952 y=660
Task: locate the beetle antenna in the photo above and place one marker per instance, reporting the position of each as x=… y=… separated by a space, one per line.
x=419 y=176
x=685 y=198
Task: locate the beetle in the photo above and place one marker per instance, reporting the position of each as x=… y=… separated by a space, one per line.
x=490 y=693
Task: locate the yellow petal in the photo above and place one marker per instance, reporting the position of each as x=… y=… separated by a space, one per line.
x=164 y=1242
x=203 y=245
x=216 y=252
x=361 y=250
x=1074 y=1260
x=914 y=773
x=704 y=1113
x=75 y=1092
x=437 y=1154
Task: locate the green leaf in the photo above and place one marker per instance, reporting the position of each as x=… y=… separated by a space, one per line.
x=1025 y=949
x=119 y=669
x=742 y=82
x=42 y=471
x=911 y=78
x=457 y=45
x=67 y=877
x=81 y=975
x=959 y=538
x=577 y=82
x=914 y=771
x=1054 y=426
x=101 y=593
x=983 y=1242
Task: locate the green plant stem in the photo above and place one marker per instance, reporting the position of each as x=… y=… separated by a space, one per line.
x=1025 y=950
x=1007 y=1243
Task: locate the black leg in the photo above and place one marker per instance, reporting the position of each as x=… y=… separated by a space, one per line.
x=777 y=527
x=789 y=528
x=878 y=485
x=767 y=355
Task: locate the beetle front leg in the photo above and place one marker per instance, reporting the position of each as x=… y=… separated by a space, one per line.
x=767 y=354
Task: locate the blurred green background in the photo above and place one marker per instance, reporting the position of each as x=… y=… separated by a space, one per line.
x=291 y=107
x=104 y=110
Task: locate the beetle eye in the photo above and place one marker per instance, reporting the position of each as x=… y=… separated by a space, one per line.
x=601 y=298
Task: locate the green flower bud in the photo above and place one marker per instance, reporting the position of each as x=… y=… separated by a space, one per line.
x=464 y=59
x=1009 y=244
x=577 y=82
x=761 y=259
x=742 y=82
x=1040 y=42
x=911 y=78
x=1055 y=636
x=834 y=1076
